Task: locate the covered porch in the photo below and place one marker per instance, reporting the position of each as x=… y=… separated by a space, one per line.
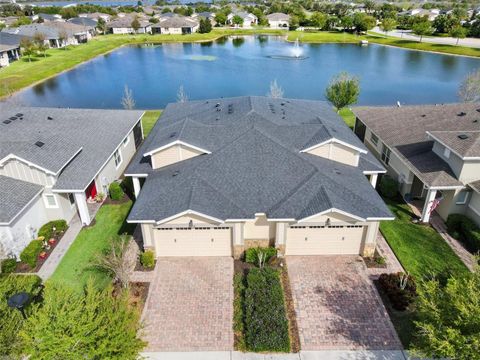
x=88 y=203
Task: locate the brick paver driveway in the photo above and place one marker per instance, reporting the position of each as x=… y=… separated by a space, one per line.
x=337 y=305
x=189 y=307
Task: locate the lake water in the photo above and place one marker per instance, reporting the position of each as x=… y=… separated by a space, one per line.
x=243 y=66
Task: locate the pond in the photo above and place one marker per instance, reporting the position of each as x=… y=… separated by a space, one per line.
x=246 y=66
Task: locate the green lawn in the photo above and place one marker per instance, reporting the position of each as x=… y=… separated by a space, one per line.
x=149 y=119
x=420 y=249
x=348 y=116
x=75 y=269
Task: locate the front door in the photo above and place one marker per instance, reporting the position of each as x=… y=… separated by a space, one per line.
x=416 y=191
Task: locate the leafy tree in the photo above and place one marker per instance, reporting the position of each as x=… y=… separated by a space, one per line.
x=102 y=25
x=166 y=10
x=343 y=90
x=369 y=6
x=28 y=48
x=363 y=22
x=444 y=23
x=237 y=20
x=39 y=40
x=470 y=87
x=388 y=24
x=220 y=18
x=458 y=32
x=347 y=22
x=92 y=325
x=449 y=318
x=460 y=13
x=318 y=20
x=422 y=29
x=69 y=12
x=23 y=20
x=135 y=24
x=205 y=26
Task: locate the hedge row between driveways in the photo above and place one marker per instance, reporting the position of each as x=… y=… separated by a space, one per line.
x=266 y=324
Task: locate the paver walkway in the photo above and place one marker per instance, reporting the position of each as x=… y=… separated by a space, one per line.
x=57 y=254
x=337 y=305
x=190 y=305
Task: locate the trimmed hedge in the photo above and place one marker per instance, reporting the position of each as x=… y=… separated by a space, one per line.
x=29 y=255
x=147 y=259
x=47 y=230
x=466 y=230
x=9 y=265
x=266 y=324
x=399 y=298
x=251 y=255
x=115 y=190
x=12 y=320
x=388 y=187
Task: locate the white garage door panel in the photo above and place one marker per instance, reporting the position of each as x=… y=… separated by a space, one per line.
x=324 y=241
x=193 y=242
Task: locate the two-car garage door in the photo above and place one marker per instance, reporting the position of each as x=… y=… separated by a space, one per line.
x=204 y=241
x=324 y=240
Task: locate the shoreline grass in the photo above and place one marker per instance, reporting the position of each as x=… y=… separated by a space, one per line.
x=24 y=73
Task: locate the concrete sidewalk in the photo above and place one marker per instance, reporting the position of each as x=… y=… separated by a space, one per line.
x=302 y=355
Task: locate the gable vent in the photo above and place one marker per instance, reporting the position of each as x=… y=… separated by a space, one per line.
x=462 y=113
x=463 y=136
x=39 y=144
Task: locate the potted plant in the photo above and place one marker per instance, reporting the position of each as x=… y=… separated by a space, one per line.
x=99 y=197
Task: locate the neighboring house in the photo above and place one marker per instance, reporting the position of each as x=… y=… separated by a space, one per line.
x=81 y=33
x=205 y=15
x=123 y=25
x=84 y=21
x=53 y=160
x=9 y=48
x=248 y=18
x=278 y=20
x=430 y=14
x=175 y=25
x=8 y=20
x=96 y=15
x=48 y=17
x=433 y=151
x=53 y=35
x=223 y=175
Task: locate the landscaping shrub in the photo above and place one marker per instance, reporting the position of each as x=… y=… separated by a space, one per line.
x=115 y=190
x=388 y=187
x=147 y=259
x=400 y=297
x=12 y=320
x=238 y=311
x=266 y=324
x=465 y=230
x=47 y=230
x=29 y=255
x=251 y=255
x=9 y=265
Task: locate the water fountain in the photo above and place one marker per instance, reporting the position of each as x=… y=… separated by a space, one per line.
x=296 y=53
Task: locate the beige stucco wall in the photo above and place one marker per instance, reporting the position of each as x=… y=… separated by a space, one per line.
x=465 y=170
x=65 y=210
x=172 y=155
x=20 y=170
x=259 y=229
x=337 y=152
x=449 y=204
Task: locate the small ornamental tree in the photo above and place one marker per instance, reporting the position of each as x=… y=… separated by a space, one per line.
x=343 y=90
x=318 y=20
x=388 y=24
x=423 y=28
x=39 y=40
x=448 y=325
x=220 y=18
x=63 y=37
x=363 y=22
x=458 y=32
x=28 y=48
x=205 y=26
x=135 y=24
x=237 y=20
x=91 y=325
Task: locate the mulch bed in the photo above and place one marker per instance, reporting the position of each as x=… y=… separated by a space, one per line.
x=291 y=314
x=25 y=268
x=138 y=292
x=140 y=267
x=371 y=261
x=123 y=200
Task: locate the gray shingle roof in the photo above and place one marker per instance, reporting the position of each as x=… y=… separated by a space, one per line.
x=464 y=143
x=84 y=21
x=255 y=163
x=175 y=22
x=9 y=41
x=33 y=29
x=404 y=129
x=15 y=195
x=88 y=136
x=278 y=17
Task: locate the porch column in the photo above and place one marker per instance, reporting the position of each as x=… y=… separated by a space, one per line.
x=238 y=241
x=373 y=179
x=280 y=237
x=370 y=239
x=428 y=205
x=81 y=201
x=136 y=186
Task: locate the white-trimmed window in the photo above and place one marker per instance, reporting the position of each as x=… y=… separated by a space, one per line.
x=126 y=140
x=446 y=152
x=71 y=198
x=50 y=201
x=462 y=197
x=386 y=154
x=374 y=139
x=117 y=157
